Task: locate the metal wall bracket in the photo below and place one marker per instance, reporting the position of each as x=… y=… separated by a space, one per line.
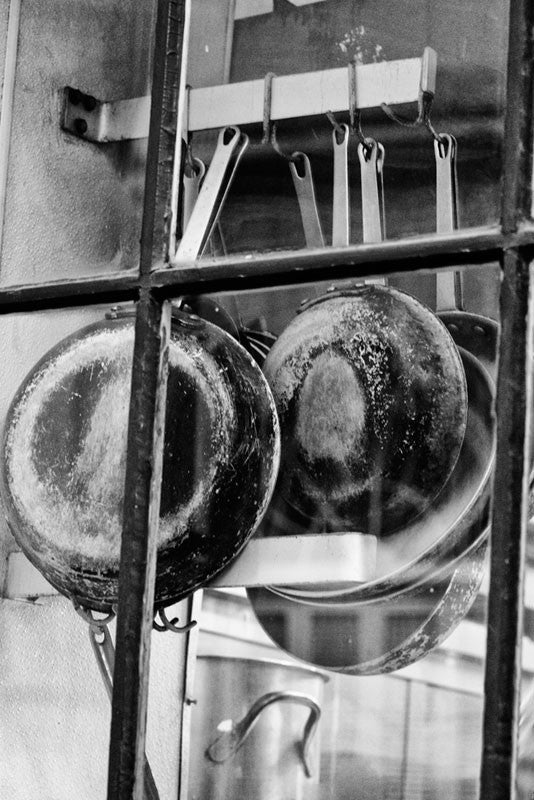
x=302 y=95
x=97 y=121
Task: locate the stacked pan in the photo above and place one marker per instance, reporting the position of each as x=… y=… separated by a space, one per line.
x=386 y=430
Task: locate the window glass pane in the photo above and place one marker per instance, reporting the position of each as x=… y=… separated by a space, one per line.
x=402 y=646
x=261 y=212
x=73 y=207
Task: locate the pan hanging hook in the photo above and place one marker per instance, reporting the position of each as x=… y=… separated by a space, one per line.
x=170 y=624
x=269 y=127
x=427 y=90
x=355 y=114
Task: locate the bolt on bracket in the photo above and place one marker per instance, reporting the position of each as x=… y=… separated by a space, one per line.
x=98 y=121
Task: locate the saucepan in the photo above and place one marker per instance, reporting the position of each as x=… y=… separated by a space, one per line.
x=64 y=450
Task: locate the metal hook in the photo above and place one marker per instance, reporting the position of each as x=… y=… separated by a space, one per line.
x=269 y=127
x=267 y=101
x=170 y=624
x=88 y=615
x=423 y=116
x=427 y=89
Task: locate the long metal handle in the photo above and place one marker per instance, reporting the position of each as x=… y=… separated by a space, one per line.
x=341 y=201
x=371 y=156
x=104 y=651
x=229 y=741
x=305 y=190
x=231 y=145
x=448 y=284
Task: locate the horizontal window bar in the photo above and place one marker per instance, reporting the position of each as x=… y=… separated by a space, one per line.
x=266 y=270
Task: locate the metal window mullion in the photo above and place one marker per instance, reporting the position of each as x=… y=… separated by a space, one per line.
x=514 y=384
x=508 y=532
x=127 y=771
x=138 y=552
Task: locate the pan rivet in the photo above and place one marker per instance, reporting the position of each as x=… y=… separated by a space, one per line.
x=479 y=330
x=453 y=328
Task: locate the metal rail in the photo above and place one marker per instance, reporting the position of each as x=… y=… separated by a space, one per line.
x=263 y=270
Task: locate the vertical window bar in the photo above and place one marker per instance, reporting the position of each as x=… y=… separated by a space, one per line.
x=509 y=511
x=127 y=774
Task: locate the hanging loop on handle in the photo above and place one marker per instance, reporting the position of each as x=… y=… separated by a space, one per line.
x=192 y=180
x=371 y=158
x=305 y=190
x=231 y=144
x=448 y=284
x=446 y=184
x=229 y=741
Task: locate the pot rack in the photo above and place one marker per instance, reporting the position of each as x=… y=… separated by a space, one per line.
x=275 y=560
x=511 y=242
x=303 y=95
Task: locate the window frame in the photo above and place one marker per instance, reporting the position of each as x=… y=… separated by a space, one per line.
x=511 y=244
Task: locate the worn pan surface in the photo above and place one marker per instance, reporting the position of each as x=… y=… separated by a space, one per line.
x=372 y=400
x=64 y=449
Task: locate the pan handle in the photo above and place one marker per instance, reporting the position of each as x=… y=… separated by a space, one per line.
x=229 y=741
x=448 y=284
x=305 y=191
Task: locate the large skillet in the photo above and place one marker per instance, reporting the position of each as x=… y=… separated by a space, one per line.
x=64 y=449
x=372 y=400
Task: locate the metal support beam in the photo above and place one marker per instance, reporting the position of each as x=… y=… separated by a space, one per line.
x=302 y=95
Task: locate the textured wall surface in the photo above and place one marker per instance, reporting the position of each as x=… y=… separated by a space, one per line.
x=54 y=725
x=73 y=208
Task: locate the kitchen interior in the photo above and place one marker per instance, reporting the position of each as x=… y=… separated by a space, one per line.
x=353 y=679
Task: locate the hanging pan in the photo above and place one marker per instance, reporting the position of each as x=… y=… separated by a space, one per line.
x=380 y=636
x=64 y=446
x=64 y=451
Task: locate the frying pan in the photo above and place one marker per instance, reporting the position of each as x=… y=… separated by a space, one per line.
x=404 y=554
x=372 y=401
x=64 y=449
